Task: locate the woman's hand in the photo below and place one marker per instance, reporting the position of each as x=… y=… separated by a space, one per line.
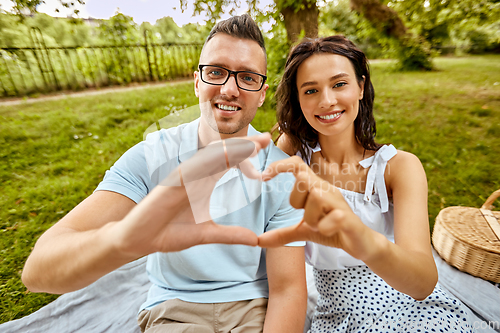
x=328 y=219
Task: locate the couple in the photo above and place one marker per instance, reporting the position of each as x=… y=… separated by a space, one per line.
x=368 y=235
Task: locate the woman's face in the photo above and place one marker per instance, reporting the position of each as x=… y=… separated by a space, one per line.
x=329 y=93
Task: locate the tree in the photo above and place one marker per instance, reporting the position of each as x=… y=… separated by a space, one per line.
x=469 y=24
x=194 y=33
x=119 y=30
x=168 y=29
x=22 y=7
x=414 y=53
x=301 y=19
x=299 y=16
x=338 y=18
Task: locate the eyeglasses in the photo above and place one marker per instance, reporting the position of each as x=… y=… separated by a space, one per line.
x=245 y=80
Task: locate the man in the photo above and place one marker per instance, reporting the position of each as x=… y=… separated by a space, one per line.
x=205 y=288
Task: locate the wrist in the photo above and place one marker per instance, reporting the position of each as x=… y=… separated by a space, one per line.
x=112 y=234
x=133 y=236
x=379 y=248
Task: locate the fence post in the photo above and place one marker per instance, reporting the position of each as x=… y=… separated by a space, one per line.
x=75 y=84
x=106 y=69
x=4 y=88
x=42 y=72
x=147 y=54
x=26 y=54
x=63 y=68
x=19 y=69
x=92 y=73
x=42 y=47
x=10 y=75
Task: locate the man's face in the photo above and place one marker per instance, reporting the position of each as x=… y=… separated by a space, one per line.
x=228 y=109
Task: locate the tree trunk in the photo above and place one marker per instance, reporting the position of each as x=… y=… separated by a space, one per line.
x=297 y=19
x=382 y=17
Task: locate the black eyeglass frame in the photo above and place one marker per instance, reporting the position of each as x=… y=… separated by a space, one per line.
x=235 y=73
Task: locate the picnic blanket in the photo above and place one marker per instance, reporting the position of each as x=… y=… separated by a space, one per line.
x=108 y=305
x=111 y=303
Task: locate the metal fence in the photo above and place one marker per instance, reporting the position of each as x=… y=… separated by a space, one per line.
x=42 y=69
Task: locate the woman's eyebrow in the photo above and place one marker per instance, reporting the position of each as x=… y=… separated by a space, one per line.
x=335 y=77
x=338 y=76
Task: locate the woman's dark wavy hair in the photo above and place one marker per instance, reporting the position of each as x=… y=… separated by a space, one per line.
x=291 y=120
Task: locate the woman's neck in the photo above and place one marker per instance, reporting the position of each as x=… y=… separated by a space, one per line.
x=341 y=149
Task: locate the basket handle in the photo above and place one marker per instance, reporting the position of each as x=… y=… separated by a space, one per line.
x=488 y=204
x=488 y=215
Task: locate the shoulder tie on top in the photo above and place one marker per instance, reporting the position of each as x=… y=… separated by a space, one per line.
x=375 y=177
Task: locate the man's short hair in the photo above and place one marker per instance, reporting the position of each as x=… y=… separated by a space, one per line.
x=239 y=27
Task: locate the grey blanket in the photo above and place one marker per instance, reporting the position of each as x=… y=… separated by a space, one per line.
x=111 y=303
x=480 y=296
x=108 y=305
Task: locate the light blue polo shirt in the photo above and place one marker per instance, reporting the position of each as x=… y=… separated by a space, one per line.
x=212 y=273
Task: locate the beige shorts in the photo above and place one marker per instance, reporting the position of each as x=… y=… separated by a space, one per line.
x=176 y=316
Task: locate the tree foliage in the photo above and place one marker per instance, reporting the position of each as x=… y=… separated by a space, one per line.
x=56 y=31
x=338 y=18
x=448 y=26
x=22 y=7
x=471 y=25
x=413 y=52
x=119 y=29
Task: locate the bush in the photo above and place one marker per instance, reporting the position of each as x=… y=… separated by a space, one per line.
x=414 y=54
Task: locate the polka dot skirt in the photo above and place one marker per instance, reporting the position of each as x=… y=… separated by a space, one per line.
x=357 y=300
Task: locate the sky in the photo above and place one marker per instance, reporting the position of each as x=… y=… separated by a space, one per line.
x=140 y=10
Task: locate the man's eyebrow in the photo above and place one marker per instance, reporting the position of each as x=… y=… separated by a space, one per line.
x=240 y=68
x=335 y=77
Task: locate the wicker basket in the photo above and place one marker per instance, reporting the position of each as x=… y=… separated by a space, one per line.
x=469 y=239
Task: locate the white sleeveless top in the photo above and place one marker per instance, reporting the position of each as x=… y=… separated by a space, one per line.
x=373 y=208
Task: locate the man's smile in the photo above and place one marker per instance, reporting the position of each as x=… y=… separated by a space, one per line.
x=227 y=107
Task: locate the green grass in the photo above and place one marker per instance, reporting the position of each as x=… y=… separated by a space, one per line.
x=53 y=154
x=450 y=119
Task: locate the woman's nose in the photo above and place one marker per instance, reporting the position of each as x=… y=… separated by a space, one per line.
x=328 y=99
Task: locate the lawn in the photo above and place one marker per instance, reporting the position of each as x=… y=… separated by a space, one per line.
x=53 y=154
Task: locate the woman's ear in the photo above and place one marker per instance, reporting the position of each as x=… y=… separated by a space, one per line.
x=362 y=88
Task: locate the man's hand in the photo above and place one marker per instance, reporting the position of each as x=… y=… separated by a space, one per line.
x=108 y=230
x=175 y=215
x=328 y=219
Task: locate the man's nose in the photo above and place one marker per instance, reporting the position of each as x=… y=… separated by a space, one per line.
x=230 y=88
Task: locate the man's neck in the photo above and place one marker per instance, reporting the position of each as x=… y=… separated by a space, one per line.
x=206 y=135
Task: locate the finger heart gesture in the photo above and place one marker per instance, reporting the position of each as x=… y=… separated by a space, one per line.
x=328 y=219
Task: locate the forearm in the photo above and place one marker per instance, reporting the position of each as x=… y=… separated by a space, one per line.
x=71 y=260
x=410 y=272
x=286 y=311
x=100 y=235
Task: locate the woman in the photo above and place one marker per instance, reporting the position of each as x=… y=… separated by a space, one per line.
x=365 y=204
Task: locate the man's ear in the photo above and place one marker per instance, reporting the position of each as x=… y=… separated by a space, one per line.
x=196 y=83
x=263 y=94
